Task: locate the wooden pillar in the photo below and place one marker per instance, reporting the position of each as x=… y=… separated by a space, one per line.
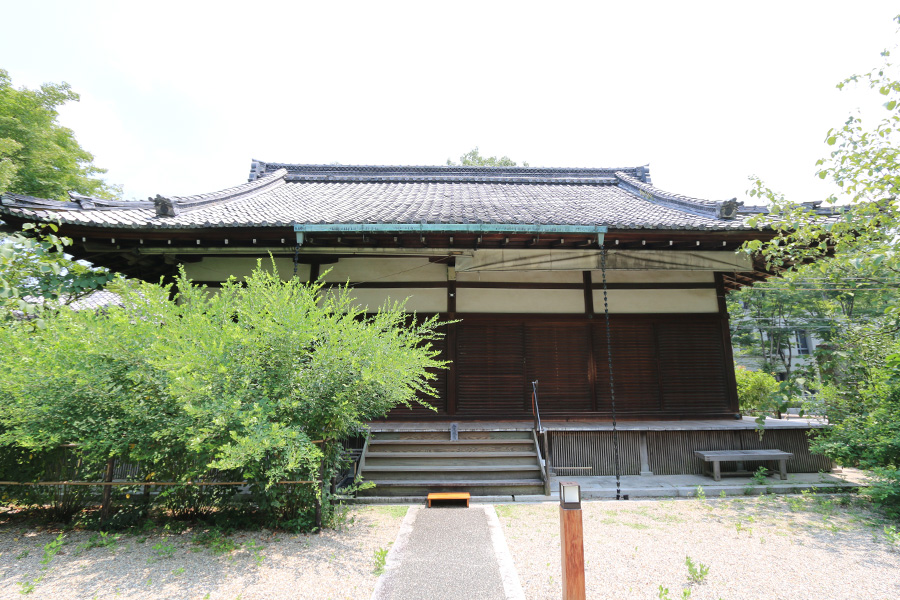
x=589 y=313
x=314 y=270
x=451 y=340
x=730 y=380
x=571 y=541
x=588 y=294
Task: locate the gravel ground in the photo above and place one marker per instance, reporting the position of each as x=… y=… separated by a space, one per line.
x=769 y=547
x=265 y=564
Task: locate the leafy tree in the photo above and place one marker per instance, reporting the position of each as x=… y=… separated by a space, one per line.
x=824 y=299
x=38 y=156
x=36 y=274
x=473 y=158
x=855 y=232
x=258 y=382
x=865 y=421
x=859 y=224
x=765 y=323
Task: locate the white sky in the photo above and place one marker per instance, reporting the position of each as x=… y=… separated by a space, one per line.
x=178 y=97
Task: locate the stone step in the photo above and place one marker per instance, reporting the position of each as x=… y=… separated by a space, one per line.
x=450 y=454
x=443 y=458
x=414 y=463
x=421 y=473
x=450 y=468
x=467 y=441
x=445 y=435
x=476 y=487
x=449 y=447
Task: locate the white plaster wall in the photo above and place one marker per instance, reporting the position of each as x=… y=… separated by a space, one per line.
x=654 y=276
x=658 y=301
x=423 y=300
x=521 y=276
x=577 y=277
x=385 y=269
x=220 y=268
x=469 y=300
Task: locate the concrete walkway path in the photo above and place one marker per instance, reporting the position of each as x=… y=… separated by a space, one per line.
x=449 y=554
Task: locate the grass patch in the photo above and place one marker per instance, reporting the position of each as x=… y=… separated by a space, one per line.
x=216 y=541
x=396 y=510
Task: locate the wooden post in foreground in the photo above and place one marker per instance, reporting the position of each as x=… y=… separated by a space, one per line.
x=320 y=489
x=571 y=541
x=106 y=497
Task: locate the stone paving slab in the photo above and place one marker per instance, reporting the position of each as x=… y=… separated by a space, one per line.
x=449 y=554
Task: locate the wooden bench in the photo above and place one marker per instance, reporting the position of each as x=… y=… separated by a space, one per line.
x=442 y=496
x=717 y=456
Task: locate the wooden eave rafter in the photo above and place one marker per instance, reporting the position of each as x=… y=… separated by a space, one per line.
x=135 y=253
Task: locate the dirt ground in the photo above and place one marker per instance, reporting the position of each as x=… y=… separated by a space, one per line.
x=198 y=563
x=805 y=546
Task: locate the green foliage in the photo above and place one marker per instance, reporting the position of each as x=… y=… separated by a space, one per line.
x=759 y=477
x=36 y=275
x=866 y=432
x=101 y=539
x=52 y=548
x=28 y=586
x=257 y=383
x=38 y=156
x=473 y=158
x=216 y=541
x=755 y=390
x=696 y=572
x=380 y=558
x=163 y=550
x=60 y=503
x=892 y=536
x=854 y=234
x=864 y=166
x=663 y=593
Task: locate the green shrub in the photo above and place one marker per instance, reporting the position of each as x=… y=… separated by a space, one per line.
x=865 y=432
x=258 y=382
x=755 y=389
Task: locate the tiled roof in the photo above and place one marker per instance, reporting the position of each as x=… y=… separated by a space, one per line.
x=96 y=300
x=322 y=195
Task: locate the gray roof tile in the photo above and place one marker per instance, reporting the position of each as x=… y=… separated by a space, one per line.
x=282 y=195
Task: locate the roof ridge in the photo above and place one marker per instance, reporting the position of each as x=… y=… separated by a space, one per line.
x=13 y=200
x=450 y=173
x=175 y=205
x=720 y=209
x=91 y=202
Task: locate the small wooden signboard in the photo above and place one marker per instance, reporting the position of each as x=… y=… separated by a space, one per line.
x=445 y=496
